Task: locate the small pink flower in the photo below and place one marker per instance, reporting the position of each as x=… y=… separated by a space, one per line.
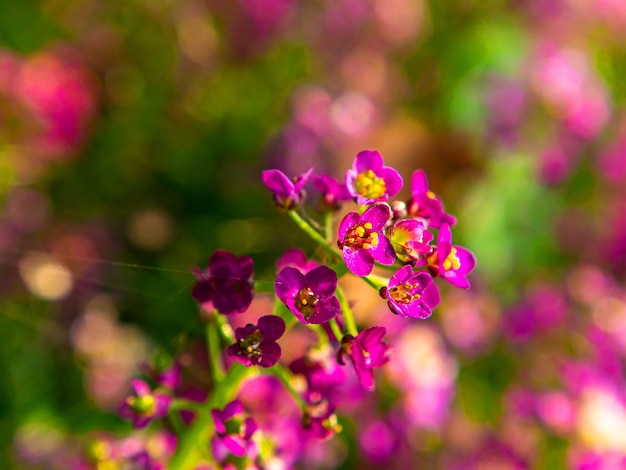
x=370 y=181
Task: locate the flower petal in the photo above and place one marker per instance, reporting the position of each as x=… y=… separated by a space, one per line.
x=383 y=252
x=288 y=283
x=367 y=160
x=349 y=221
x=325 y=311
x=278 y=182
x=321 y=280
x=419 y=183
x=359 y=262
x=378 y=215
x=272 y=327
x=393 y=180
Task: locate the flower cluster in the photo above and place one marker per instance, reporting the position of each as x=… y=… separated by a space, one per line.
x=247 y=425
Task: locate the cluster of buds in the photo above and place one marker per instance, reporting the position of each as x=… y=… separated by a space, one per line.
x=396 y=236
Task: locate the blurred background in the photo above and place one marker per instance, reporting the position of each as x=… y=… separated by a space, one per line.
x=132 y=137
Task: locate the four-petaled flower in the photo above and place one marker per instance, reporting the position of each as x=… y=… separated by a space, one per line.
x=311 y=296
x=233 y=432
x=366 y=351
x=425 y=204
x=333 y=192
x=288 y=193
x=453 y=263
x=411 y=294
x=410 y=239
x=370 y=181
x=362 y=241
x=226 y=284
x=144 y=405
x=256 y=345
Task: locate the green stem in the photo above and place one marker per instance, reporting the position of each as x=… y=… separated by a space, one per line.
x=285 y=376
x=176 y=421
x=194 y=444
x=376 y=281
x=214 y=350
x=182 y=404
x=225 y=329
x=334 y=326
x=321 y=332
x=328 y=225
x=348 y=316
x=314 y=234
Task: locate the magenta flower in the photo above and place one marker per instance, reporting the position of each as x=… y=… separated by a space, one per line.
x=425 y=204
x=370 y=181
x=226 y=284
x=144 y=405
x=320 y=370
x=296 y=259
x=288 y=193
x=366 y=351
x=233 y=432
x=411 y=294
x=362 y=240
x=410 y=239
x=311 y=296
x=333 y=192
x=256 y=345
x=451 y=262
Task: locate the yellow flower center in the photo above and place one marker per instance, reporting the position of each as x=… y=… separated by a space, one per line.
x=144 y=404
x=368 y=185
x=401 y=294
x=251 y=344
x=452 y=261
x=361 y=236
x=306 y=300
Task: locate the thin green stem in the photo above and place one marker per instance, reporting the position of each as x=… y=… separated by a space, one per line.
x=285 y=376
x=376 y=281
x=195 y=442
x=321 y=332
x=182 y=404
x=334 y=326
x=328 y=225
x=314 y=234
x=214 y=350
x=176 y=421
x=348 y=316
x=225 y=329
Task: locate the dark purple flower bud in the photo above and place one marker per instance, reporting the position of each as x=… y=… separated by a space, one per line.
x=366 y=351
x=411 y=294
x=370 y=181
x=311 y=296
x=144 y=404
x=425 y=204
x=362 y=241
x=288 y=193
x=256 y=345
x=296 y=259
x=410 y=239
x=233 y=432
x=451 y=262
x=226 y=284
x=333 y=192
